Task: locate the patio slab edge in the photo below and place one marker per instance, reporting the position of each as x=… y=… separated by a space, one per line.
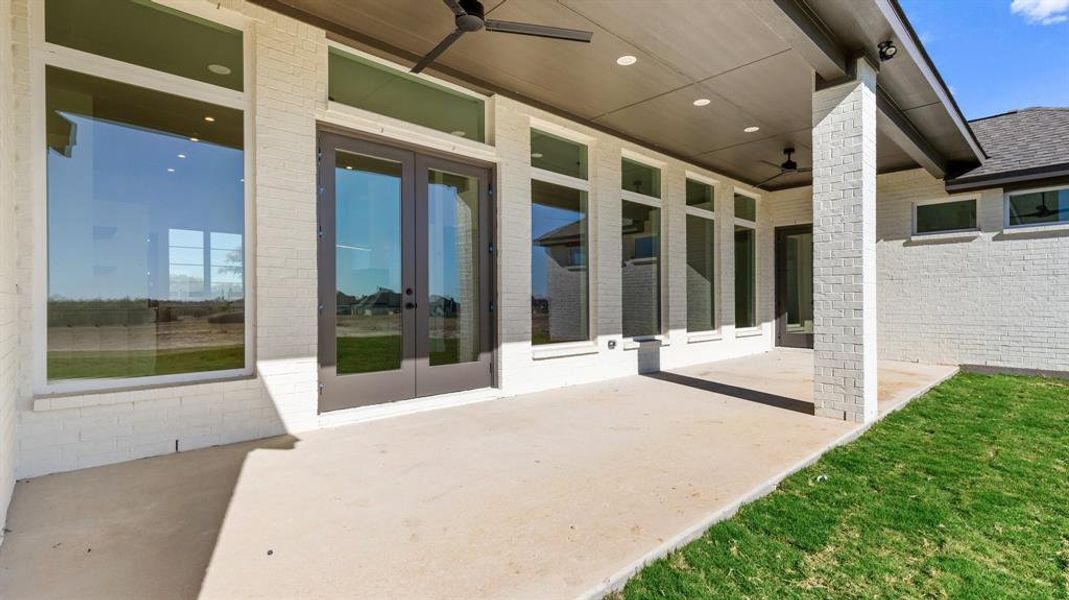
x=617 y=581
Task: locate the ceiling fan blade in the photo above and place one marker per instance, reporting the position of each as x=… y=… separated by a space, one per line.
x=764 y=181
x=557 y=33
x=437 y=51
x=455 y=7
x=804 y=170
x=771 y=164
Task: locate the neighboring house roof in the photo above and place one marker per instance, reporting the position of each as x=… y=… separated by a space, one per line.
x=1022 y=145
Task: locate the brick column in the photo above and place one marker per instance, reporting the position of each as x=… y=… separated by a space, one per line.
x=724 y=205
x=844 y=247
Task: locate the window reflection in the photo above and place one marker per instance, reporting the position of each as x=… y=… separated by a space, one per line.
x=368 y=263
x=641 y=269
x=145 y=230
x=745 y=277
x=559 y=303
x=700 y=286
x=453 y=268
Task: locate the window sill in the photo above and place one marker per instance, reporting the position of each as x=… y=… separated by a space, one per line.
x=561 y=350
x=748 y=332
x=920 y=238
x=128 y=395
x=1027 y=229
x=704 y=336
x=635 y=343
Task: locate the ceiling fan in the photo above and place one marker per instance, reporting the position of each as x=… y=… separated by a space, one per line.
x=1043 y=211
x=469 y=17
x=786 y=167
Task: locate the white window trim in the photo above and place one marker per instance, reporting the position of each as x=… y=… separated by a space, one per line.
x=633 y=342
x=589 y=345
x=1030 y=226
x=562 y=180
x=913 y=211
x=563 y=132
x=705 y=335
x=755 y=329
x=338 y=113
x=43 y=54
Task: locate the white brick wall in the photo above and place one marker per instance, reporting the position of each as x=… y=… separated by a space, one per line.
x=8 y=248
x=289 y=62
x=996 y=299
x=844 y=248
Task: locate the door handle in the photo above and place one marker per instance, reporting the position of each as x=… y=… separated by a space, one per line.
x=410 y=305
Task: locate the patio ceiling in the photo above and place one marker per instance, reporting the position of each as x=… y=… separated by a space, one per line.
x=739 y=55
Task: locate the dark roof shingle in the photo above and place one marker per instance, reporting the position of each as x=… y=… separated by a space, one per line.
x=1022 y=139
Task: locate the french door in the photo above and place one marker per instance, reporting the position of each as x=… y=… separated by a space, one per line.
x=794 y=286
x=404 y=274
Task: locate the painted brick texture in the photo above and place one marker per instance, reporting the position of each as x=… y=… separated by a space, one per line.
x=993 y=299
x=8 y=249
x=844 y=248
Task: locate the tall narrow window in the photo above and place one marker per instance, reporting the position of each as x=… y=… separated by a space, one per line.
x=745 y=277
x=145 y=231
x=701 y=290
x=559 y=270
x=641 y=245
x=641 y=231
x=560 y=304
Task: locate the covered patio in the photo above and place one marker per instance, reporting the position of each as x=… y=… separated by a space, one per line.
x=562 y=493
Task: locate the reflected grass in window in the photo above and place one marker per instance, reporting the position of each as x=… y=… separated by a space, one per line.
x=145 y=231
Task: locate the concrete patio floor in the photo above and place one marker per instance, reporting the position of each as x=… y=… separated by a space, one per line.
x=549 y=495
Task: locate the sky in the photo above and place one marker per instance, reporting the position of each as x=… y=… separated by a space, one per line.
x=997 y=55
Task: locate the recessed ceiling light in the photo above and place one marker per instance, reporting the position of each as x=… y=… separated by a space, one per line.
x=536 y=155
x=193 y=139
x=209 y=119
x=752 y=128
x=702 y=102
x=219 y=69
x=626 y=60
x=170 y=170
x=181 y=156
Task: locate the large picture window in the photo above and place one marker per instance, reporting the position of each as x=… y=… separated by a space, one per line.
x=145 y=231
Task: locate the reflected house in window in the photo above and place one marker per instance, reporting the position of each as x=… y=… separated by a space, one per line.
x=566 y=282
x=641 y=276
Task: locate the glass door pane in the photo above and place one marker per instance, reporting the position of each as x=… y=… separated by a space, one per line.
x=452 y=268
x=368 y=256
x=799 y=301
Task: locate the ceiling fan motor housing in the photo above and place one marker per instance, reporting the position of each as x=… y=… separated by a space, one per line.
x=473 y=20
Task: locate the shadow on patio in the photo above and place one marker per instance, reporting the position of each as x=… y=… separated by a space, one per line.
x=542 y=495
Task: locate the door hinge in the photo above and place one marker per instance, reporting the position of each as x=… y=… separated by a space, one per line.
x=491 y=248
x=320 y=310
x=320 y=234
x=490 y=190
x=319 y=155
x=492 y=306
x=321 y=389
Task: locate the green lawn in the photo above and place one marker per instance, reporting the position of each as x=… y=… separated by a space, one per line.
x=140 y=363
x=963 y=494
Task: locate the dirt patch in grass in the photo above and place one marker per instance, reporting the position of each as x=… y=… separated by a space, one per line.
x=963 y=494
